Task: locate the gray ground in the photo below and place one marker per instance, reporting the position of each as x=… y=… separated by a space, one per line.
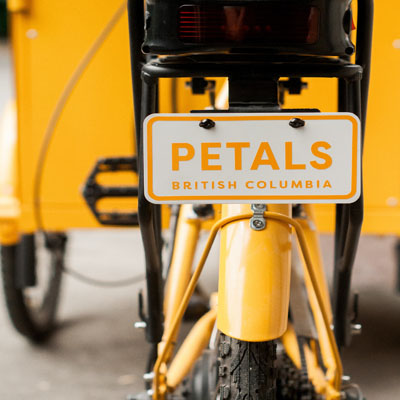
x=97 y=354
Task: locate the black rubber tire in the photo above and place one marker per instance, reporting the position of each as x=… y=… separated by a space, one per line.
x=246 y=369
x=35 y=324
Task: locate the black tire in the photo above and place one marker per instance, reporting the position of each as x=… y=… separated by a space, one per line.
x=35 y=322
x=246 y=369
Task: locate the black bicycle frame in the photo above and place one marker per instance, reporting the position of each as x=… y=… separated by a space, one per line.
x=353 y=97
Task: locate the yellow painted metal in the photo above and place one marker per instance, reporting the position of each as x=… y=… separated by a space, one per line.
x=47 y=44
x=15 y=6
x=9 y=200
x=254 y=277
x=381 y=160
x=315 y=373
x=187 y=235
x=159 y=385
x=307 y=222
x=191 y=349
x=160 y=369
x=291 y=345
x=50 y=40
x=321 y=314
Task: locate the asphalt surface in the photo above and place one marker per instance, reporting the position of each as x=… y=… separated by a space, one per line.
x=97 y=354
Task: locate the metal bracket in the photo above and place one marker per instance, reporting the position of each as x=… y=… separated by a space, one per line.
x=257 y=221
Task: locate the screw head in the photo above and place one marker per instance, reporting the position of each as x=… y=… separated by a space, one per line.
x=297 y=123
x=207 y=123
x=257 y=224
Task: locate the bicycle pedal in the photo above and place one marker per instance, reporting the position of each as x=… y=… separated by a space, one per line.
x=93 y=192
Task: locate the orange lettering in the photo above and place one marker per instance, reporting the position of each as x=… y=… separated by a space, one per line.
x=248 y=183
x=327 y=184
x=289 y=157
x=175 y=185
x=231 y=184
x=297 y=184
x=261 y=184
x=258 y=160
x=176 y=157
x=206 y=156
x=238 y=146
x=315 y=150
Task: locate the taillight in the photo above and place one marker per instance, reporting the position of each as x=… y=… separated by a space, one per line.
x=261 y=24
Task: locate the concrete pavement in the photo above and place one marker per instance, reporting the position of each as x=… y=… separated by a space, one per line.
x=97 y=354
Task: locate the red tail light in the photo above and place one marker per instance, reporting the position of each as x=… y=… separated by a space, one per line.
x=250 y=24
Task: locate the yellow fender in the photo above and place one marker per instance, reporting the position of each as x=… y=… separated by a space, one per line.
x=9 y=202
x=254 y=277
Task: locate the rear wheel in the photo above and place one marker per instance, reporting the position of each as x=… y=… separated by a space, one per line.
x=246 y=369
x=32 y=307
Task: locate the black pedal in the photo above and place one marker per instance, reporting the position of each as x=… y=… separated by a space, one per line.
x=93 y=191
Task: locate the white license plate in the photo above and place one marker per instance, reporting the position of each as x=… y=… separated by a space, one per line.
x=248 y=158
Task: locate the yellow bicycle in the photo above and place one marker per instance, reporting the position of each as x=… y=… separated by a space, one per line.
x=263 y=337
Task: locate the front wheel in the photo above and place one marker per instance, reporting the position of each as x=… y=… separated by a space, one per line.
x=246 y=370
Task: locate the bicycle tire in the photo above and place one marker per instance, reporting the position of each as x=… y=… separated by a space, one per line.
x=35 y=324
x=246 y=369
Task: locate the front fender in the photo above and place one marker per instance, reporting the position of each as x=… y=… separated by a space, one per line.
x=254 y=277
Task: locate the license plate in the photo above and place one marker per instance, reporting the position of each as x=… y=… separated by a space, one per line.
x=248 y=158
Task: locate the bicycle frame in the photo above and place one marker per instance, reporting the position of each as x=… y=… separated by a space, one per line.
x=254 y=280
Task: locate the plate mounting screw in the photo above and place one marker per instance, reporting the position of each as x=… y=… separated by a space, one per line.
x=207 y=123
x=297 y=123
x=258 y=224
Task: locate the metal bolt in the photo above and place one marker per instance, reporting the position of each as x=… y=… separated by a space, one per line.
x=140 y=325
x=356 y=329
x=148 y=377
x=207 y=123
x=258 y=206
x=297 y=123
x=346 y=379
x=257 y=224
